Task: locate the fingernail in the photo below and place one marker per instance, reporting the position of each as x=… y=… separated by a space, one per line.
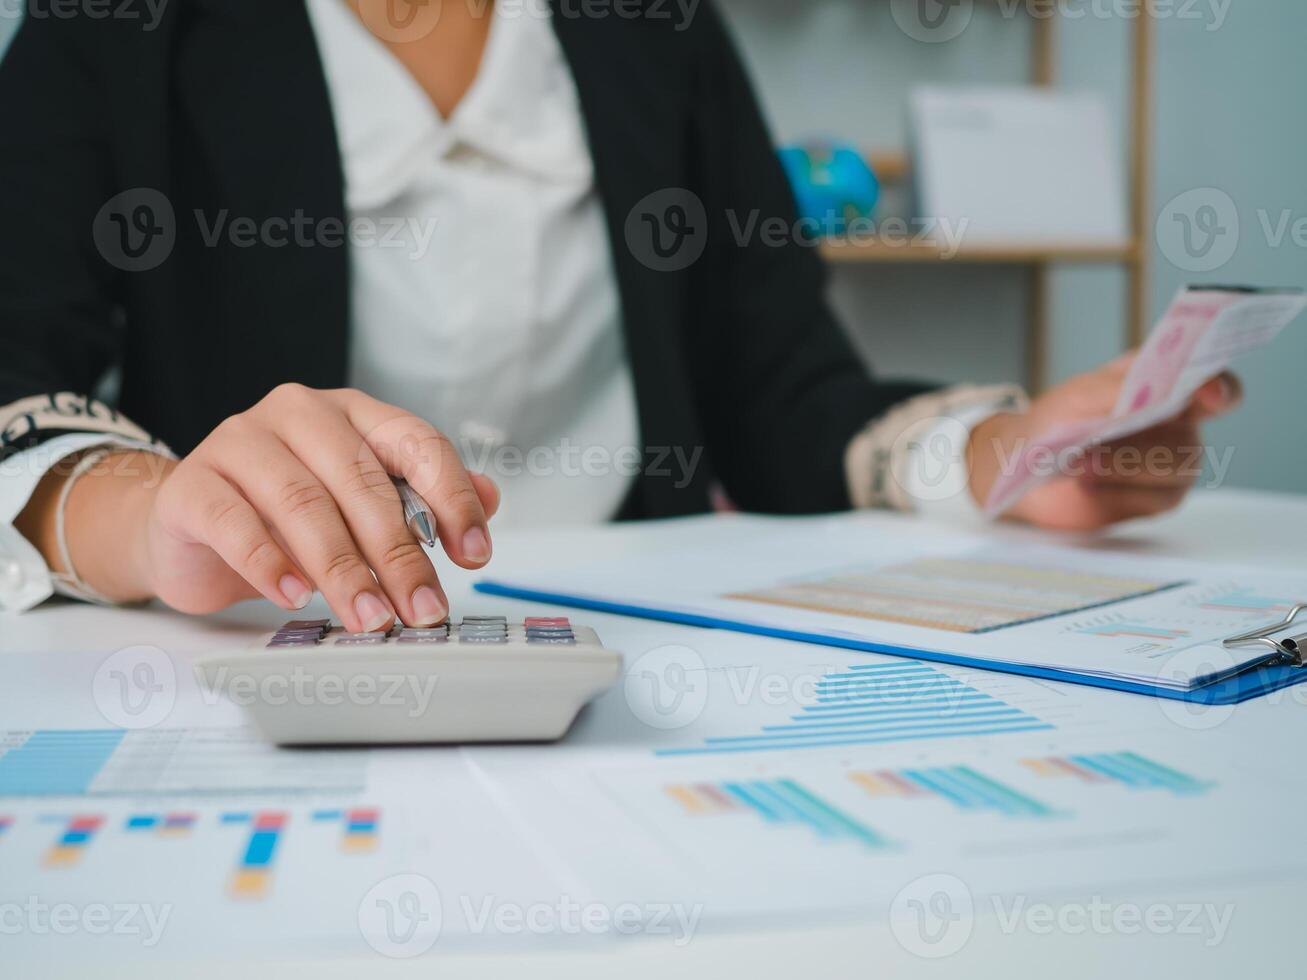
x=296 y=592
x=476 y=546
x=372 y=612
x=428 y=610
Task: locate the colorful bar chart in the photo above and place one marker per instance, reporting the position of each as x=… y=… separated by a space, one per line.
x=164 y=825
x=1246 y=601
x=1142 y=630
x=962 y=786
x=1123 y=768
x=253 y=876
x=883 y=702
x=781 y=802
x=359 y=827
x=56 y=762
x=72 y=842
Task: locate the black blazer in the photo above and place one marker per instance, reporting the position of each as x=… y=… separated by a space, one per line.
x=224 y=106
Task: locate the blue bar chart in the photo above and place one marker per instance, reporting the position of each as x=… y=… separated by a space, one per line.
x=55 y=762
x=1246 y=601
x=777 y=802
x=1122 y=768
x=881 y=702
x=962 y=786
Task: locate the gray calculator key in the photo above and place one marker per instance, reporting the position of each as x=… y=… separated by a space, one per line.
x=357 y=639
x=423 y=634
x=558 y=640
x=296 y=625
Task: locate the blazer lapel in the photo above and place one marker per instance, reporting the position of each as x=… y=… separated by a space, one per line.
x=251 y=89
x=632 y=100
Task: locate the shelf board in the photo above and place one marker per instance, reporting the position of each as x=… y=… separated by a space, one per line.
x=1006 y=253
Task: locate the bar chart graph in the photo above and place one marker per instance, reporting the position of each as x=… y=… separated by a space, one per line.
x=1247 y=602
x=358 y=827
x=54 y=763
x=192 y=762
x=1126 y=628
x=72 y=841
x=962 y=786
x=252 y=878
x=777 y=802
x=163 y=825
x=1121 y=768
x=879 y=702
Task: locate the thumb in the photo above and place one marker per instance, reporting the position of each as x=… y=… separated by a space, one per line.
x=1217 y=397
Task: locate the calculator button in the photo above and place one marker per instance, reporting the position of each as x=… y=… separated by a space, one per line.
x=546 y=621
x=422 y=635
x=483 y=638
x=360 y=639
x=293 y=641
x=551 y=639
x=486 y=620
x=298 y=625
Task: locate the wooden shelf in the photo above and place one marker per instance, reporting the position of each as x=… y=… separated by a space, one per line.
x=1007 y=253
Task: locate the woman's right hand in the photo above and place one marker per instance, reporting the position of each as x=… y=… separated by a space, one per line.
x=290 y=497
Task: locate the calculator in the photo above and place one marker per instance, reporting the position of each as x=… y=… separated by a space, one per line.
x=482 y=679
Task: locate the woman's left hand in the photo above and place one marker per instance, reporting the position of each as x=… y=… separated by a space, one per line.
x=1141 y=475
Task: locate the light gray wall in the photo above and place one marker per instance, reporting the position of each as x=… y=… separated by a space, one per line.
x=1230 y=88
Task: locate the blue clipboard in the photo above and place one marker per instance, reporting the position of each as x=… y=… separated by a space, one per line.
x=1244 y=686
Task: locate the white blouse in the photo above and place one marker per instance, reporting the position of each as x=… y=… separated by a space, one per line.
x=484 y=297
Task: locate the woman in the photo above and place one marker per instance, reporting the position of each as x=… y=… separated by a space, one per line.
x=506 y=227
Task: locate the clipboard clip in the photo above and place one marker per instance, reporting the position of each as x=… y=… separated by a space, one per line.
x=1290 y=650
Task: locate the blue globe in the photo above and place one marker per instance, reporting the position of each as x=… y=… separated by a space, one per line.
x=833 y=184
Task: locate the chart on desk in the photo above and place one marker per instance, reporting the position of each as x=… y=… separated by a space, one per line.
x=233 y=837
x=849 y=827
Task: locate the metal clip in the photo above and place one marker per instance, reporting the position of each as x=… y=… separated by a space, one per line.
x=1292 y=649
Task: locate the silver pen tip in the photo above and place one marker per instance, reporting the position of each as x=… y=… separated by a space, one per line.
x=422 y=529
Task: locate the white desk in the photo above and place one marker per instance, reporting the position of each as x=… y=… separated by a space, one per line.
x=1229 y=526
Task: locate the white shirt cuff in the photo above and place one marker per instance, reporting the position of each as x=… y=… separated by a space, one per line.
x=25 y=578
x=914 y=458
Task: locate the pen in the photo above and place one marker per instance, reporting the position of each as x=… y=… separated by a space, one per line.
x=417 y=515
